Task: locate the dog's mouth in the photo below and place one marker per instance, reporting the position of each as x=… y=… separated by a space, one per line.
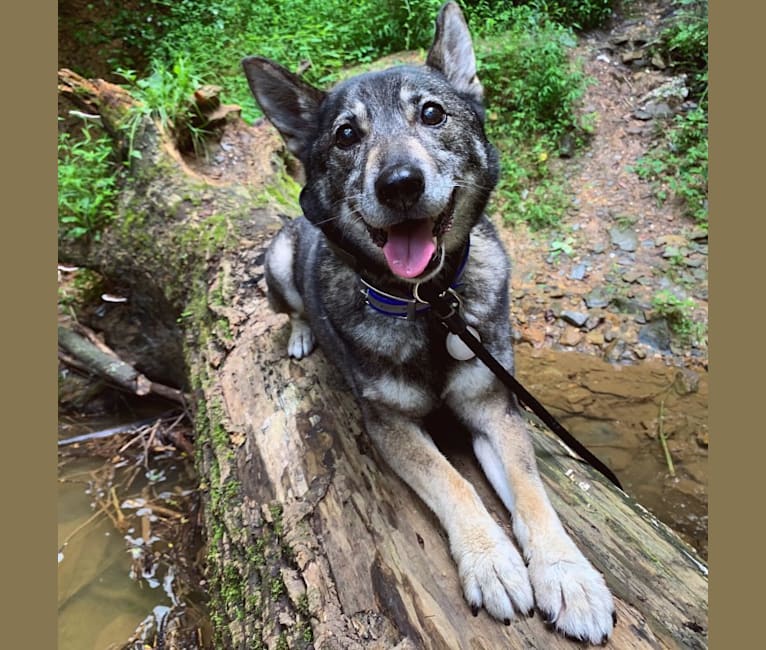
x=410 y=246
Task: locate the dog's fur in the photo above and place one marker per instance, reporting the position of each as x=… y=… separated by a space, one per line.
x=407 y=146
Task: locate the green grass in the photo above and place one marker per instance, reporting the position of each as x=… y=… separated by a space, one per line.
x=87 y=183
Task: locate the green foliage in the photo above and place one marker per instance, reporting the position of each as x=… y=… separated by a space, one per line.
x=531 y=87
x=167 y=95
x=87 y=183
x=678 y=166
x=532 y=91
x=679 y=314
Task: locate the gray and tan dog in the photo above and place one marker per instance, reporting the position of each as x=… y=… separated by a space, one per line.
x=398 y=173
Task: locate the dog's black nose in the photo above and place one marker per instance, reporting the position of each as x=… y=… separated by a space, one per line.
x=400 y=186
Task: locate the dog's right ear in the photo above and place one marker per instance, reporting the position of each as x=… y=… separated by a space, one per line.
x=290 y=103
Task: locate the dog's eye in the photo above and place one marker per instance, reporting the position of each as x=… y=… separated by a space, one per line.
x=432 y=114
x=346 y=136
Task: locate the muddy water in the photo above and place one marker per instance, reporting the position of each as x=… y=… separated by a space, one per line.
x=99 y=604
x=617 y=412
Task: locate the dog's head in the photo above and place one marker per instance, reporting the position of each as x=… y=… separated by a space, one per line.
x=397 y=160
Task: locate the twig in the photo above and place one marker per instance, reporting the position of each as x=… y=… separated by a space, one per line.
x=663 y=441
x=89 y=520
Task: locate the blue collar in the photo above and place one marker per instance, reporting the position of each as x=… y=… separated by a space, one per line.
x=399 y=306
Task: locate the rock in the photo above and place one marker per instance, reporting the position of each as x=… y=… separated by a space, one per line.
x=632 y=276
x=656 y=334
x=686 y=381
x=624 y=238
x=678 y=241
x=597 y=247
x=594 y=320
x=614 y=351
x=595 y=338
x=672 y=251
x=641 y=114
x=567 y=146
x=576 y=318
x=658 y=62
x=570 y=337
x=578 y=272
x=597 y=299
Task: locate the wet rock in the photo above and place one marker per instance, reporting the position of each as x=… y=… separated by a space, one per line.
x=615 y=350
x=597 y=299
x=686 y=381
x=624 y=238
x=656 y=334
x=576 y=318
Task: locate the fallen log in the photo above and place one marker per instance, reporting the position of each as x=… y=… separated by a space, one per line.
x=312 y=540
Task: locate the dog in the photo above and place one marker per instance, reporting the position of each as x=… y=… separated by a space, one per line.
x=398 y=172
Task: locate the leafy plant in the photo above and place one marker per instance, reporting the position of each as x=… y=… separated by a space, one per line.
x=679 y=314
x=87 y=183
x=167 y=95
x=678 y=166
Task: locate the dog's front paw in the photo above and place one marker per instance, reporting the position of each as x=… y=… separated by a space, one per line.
x=493 y=574
x=301 y=341
x=572 y=596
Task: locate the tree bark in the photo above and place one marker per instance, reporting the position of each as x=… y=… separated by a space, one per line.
x=312 y=540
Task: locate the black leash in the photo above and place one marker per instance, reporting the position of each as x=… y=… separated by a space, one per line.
x=447 y=311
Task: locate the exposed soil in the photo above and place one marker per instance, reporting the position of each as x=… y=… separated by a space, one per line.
x=626 y=247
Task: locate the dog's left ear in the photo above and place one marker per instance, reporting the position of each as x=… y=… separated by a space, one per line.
x=452 y=52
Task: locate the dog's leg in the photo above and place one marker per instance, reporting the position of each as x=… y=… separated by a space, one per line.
x=569 y=592
x=491 y=570
x=283 y=293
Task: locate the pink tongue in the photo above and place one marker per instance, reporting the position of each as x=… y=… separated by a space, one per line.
x=410 y=247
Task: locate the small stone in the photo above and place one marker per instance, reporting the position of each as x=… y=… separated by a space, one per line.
x=694 y=261
x=570 y=337
x=598 y=247
x=595 y=338
x=576 y=318
x=656 y=334
x=593 y=322
x=641 y=114
x=597 y=299
x=624 y=238
x=578 y=272
x=639 y=353
x=686 y=381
